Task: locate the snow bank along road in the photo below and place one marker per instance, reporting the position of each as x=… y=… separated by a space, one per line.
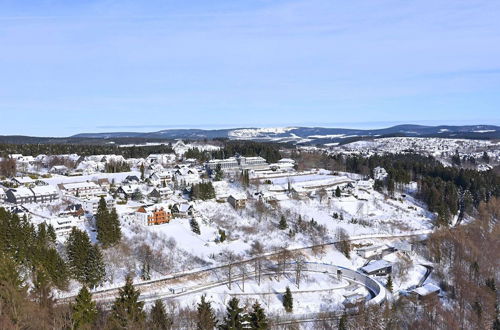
x=151 y=287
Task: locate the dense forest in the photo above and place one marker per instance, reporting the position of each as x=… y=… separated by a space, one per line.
x=446 y=190
x=83 y=149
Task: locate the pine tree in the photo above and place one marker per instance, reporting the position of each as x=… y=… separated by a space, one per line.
x=95 y=270
x=389 y=283
x=158 y=319
x=77 y=249
x=288 y=300
x=219 y=174
x=108 y=225
x=205 y=318
x=142 y=171
x=343 y=322
x=283 y=224
x=338 y=193
x=234 y=318
x=84 y=311
x=194 y=226
x=127 y=310
x=258 y=318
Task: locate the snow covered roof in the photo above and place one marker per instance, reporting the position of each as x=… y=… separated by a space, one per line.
x=44 y=190
x=23 y=179
x=426 y=289
x=80 y=185
x=238 y=196
x=376 y=265
x=22 y=192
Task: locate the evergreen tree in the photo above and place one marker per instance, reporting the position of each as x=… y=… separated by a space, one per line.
x=142 y=171
x=108 y=225
x=205 y=316
x=84 y=310
x=288 y=300
x=234 y=318
x=389 y=283
x=95 y=269
x=258 y=318
x=343 y=322
x=127 y=310
x=338 y=193
x=158 y=319
x=219 y=174
x=283 y=224
x=194 y=226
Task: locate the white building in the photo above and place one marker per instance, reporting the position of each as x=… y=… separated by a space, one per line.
x=82 y=189
x=238 y=163
x=91 y=205
x=64 y=225
x=45 y=194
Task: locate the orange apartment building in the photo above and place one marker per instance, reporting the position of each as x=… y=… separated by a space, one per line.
x=153 y=215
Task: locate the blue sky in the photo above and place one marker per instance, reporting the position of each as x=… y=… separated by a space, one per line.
x=92 y=66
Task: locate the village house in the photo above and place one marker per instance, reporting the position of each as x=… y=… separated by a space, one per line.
x=237 y=200
x=23 y=181
x=160 y=179
x=161 y=159
x=104 y=184
x=132 y=179
x=59 y=169
x=153 y=215
x=186 y=176
x=160 y=193
x=182 y=210
x=370 y=251
x=127 y=191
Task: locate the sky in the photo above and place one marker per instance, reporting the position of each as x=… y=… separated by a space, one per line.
x=68 y=67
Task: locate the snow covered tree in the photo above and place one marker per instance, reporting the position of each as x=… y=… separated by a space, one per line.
x=205 y=316
x=84 y=310
x=258 y=318
x=338 y=193
x=158 y=318
x=282 y=224
x=194 y=226
x=234 y=318
x=127 y=310
x=288 y=300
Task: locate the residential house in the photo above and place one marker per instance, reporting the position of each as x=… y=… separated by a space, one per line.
x=127 y=191
x=132 y=179
x=153 y=215
x=186 y=176
x=75 y=210
x=160 y=179
x=59 y=169
x=237 y=200
x=182 y=210
x=23 y=181
x=161 y=193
